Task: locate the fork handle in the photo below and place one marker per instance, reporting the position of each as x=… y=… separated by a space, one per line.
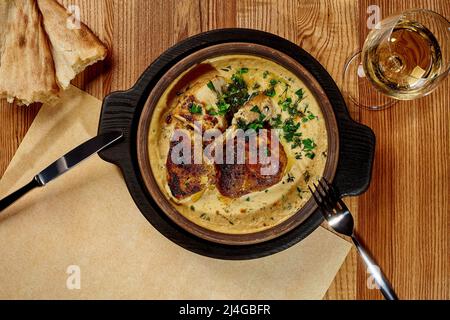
x=380 y=279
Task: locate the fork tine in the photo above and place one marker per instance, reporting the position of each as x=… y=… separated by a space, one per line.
x=332 y=199
x=319 y=190
x=335 y=195
x=319 y=203
x=316 y=198
x=326 y=196
x=331 y=189
x=326 y=186
x=321 y=194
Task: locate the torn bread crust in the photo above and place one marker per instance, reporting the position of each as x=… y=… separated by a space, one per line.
x=73 y=49
x=27 y=72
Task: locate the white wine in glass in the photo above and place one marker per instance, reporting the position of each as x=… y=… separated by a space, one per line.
x=405 y=57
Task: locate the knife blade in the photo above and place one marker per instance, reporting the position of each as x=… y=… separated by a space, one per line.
x=64 y=164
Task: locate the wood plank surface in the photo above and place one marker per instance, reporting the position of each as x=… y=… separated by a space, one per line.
x=404 y=216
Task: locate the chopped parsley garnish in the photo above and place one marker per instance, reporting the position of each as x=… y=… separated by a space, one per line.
x=307 y=115
x=262 y=116
x=236 y=94
x=290 y=178
x=300 y=93
x=223 y=107
x=276 y=122
x=308 y=146
x=211 y=86
x=255 y=109
x=310 y=155
x=195 y=108
x=265 y=74
x=256 y=86
x=286 y=104
x=293 y=111
x=242 y=70
x=192 y=208
x=255 y=125
x=297 y=142
x=270 y=92
x=211 y=110
x=290 y=130
x=291 y=134
x=237 y=84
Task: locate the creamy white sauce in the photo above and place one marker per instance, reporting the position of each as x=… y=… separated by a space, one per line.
x=259 y=210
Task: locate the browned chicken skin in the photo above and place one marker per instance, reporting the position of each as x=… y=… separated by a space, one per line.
x=237 y=180
x=186 y=178
x=197 y=99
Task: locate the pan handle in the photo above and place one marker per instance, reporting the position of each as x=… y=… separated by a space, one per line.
x=356 y=156
x=118 y=113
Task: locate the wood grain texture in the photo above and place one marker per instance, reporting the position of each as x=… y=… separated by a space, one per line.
x=404 y=216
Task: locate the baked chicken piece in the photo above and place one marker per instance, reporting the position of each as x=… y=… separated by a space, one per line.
x=189 y=177
x=185 y=177
x=236 y=180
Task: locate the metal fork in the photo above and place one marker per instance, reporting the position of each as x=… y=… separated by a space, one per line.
x=340 y=219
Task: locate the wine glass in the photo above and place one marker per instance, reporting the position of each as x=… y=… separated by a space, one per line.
x=405 y=57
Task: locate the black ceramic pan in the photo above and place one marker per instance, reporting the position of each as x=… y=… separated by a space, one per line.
x=123 y=111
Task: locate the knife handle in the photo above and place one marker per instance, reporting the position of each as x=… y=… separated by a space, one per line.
x=6 y=202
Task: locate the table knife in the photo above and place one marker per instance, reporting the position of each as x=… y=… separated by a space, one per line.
x=64 y=164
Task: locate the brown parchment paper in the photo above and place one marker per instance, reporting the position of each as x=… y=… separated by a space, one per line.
x=87 y=219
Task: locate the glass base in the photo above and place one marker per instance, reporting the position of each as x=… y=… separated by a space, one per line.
x=359 y=89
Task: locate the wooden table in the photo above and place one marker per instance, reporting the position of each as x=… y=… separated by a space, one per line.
x=404 y=216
